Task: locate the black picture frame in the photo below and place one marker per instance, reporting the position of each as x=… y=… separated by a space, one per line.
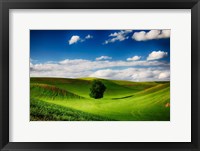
x=5 y=5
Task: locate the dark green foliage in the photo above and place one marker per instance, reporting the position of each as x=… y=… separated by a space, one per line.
x=97 y=89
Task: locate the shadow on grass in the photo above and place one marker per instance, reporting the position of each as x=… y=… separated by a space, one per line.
x=122 y=97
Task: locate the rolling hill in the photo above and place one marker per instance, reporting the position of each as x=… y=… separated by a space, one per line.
x=68 y=99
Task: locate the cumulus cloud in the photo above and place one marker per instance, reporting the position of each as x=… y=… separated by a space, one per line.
x=118 y=36
x=82 y=64
x=152 y=34
x=134 y=58
x=103 y=58
x=76 y=68
x=164 y=75
x=75 y=38
x=155 y=55
x=134 y=74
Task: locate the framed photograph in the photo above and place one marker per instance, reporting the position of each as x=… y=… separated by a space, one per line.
x=99 y=75
x=105 y=75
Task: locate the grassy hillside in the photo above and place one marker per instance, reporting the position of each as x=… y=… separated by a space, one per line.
x=123 y=100
x=41 y=110
x=50 y=91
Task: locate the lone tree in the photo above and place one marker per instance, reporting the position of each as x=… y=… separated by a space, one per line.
x=97 y=89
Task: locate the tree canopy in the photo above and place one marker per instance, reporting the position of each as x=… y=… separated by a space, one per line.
x=97 y=89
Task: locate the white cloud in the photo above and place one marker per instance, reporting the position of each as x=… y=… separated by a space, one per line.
x=107 y=73
x=152 y=34
x=164 y=75
x=88 y=37
x=74 y=39
x=103 y=58
x=134 y=58
x=81 y=65
x=134 y=74
x=76 y=68
x=157 y=55
x=118 y=36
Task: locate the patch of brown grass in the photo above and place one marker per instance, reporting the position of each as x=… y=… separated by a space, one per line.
x=167 y=105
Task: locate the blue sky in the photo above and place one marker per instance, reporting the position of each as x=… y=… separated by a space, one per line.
x=52 y=51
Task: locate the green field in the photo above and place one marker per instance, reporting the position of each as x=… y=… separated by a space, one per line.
x=61 y=99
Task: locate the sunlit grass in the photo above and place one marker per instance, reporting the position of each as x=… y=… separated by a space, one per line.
x=123 y=100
